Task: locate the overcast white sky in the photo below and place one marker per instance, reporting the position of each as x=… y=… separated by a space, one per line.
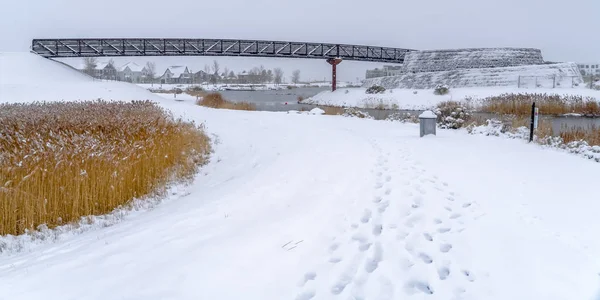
x=564 y=30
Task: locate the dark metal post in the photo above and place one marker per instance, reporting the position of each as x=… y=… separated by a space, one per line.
x=532 y=120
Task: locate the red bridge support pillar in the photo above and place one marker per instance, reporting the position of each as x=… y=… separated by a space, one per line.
x=334 y=62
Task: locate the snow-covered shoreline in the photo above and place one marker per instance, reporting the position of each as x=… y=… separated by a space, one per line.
x=405 y=99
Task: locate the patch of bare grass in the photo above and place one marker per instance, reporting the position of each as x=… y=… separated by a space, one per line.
x=216 y=100
x=61 y=161
x=333 y=110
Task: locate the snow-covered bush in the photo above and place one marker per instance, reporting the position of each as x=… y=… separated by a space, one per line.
x=496 y=127
x=375 y=89
x=452 y=115
x=441 y=89
x=355 y=113
x=403 y=117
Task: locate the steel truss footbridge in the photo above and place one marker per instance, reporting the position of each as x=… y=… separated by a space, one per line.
x=113 y=47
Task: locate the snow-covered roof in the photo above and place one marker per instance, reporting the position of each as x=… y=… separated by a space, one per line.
x=101 y=65
x=177 y=70
x=132 y=66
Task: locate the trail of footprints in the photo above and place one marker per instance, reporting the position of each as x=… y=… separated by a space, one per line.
x=369 y=250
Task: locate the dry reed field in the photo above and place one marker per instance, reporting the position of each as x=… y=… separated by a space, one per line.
x=61 y=161
x=591 y=135
x=520 y=104
x=216 y=100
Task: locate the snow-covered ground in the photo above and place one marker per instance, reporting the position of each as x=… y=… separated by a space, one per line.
x=424 y=99
x=298 y=206
x=26 y=77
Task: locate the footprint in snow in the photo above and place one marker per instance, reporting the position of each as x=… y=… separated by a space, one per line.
x=469 y=275
x=377 y=229
x=443 y=229
x=366 y=216
x=364 y=247
x=443 y=273
x=445 y=248
x=428 y=236
x=334 y=246
x=425 y=258
x=421 y=286
x=335 y=260
x=455 y=216
x=306 y=295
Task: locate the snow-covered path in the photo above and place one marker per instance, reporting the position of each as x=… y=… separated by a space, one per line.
x=321 y=207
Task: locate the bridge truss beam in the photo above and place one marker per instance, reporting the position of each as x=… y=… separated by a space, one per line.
x=54 y=48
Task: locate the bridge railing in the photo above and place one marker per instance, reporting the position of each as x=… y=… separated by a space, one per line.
x=212 y=47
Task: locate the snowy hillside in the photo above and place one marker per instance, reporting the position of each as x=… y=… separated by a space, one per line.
x=473 y=58
x=325 y=207
x=566 y=74
x=424 y=99
x=26 y=77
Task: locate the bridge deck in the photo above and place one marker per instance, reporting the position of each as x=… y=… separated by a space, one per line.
x=52 y=48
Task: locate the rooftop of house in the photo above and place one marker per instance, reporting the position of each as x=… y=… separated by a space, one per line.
x=177 y=70
x=134 y=67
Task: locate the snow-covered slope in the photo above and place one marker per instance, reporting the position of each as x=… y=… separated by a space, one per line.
x=26 y=77
x=320 y=207
x=425 y=99
x=473 y=58
x=567 y=74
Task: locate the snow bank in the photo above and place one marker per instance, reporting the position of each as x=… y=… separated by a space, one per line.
x=567 y=74
x=316 y=111
x=424 y=99
x=26 y=77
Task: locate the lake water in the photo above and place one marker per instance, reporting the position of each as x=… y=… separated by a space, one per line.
x=281 y=100
x=285 y=100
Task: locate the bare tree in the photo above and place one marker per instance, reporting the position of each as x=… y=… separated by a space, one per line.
x=90 y=64
x=269 y=76
x=150 y=71
x=231 y=75
x=207 y=69
x=277 y=75
x=296 y=76
x=225 y=71
x=216 y=67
